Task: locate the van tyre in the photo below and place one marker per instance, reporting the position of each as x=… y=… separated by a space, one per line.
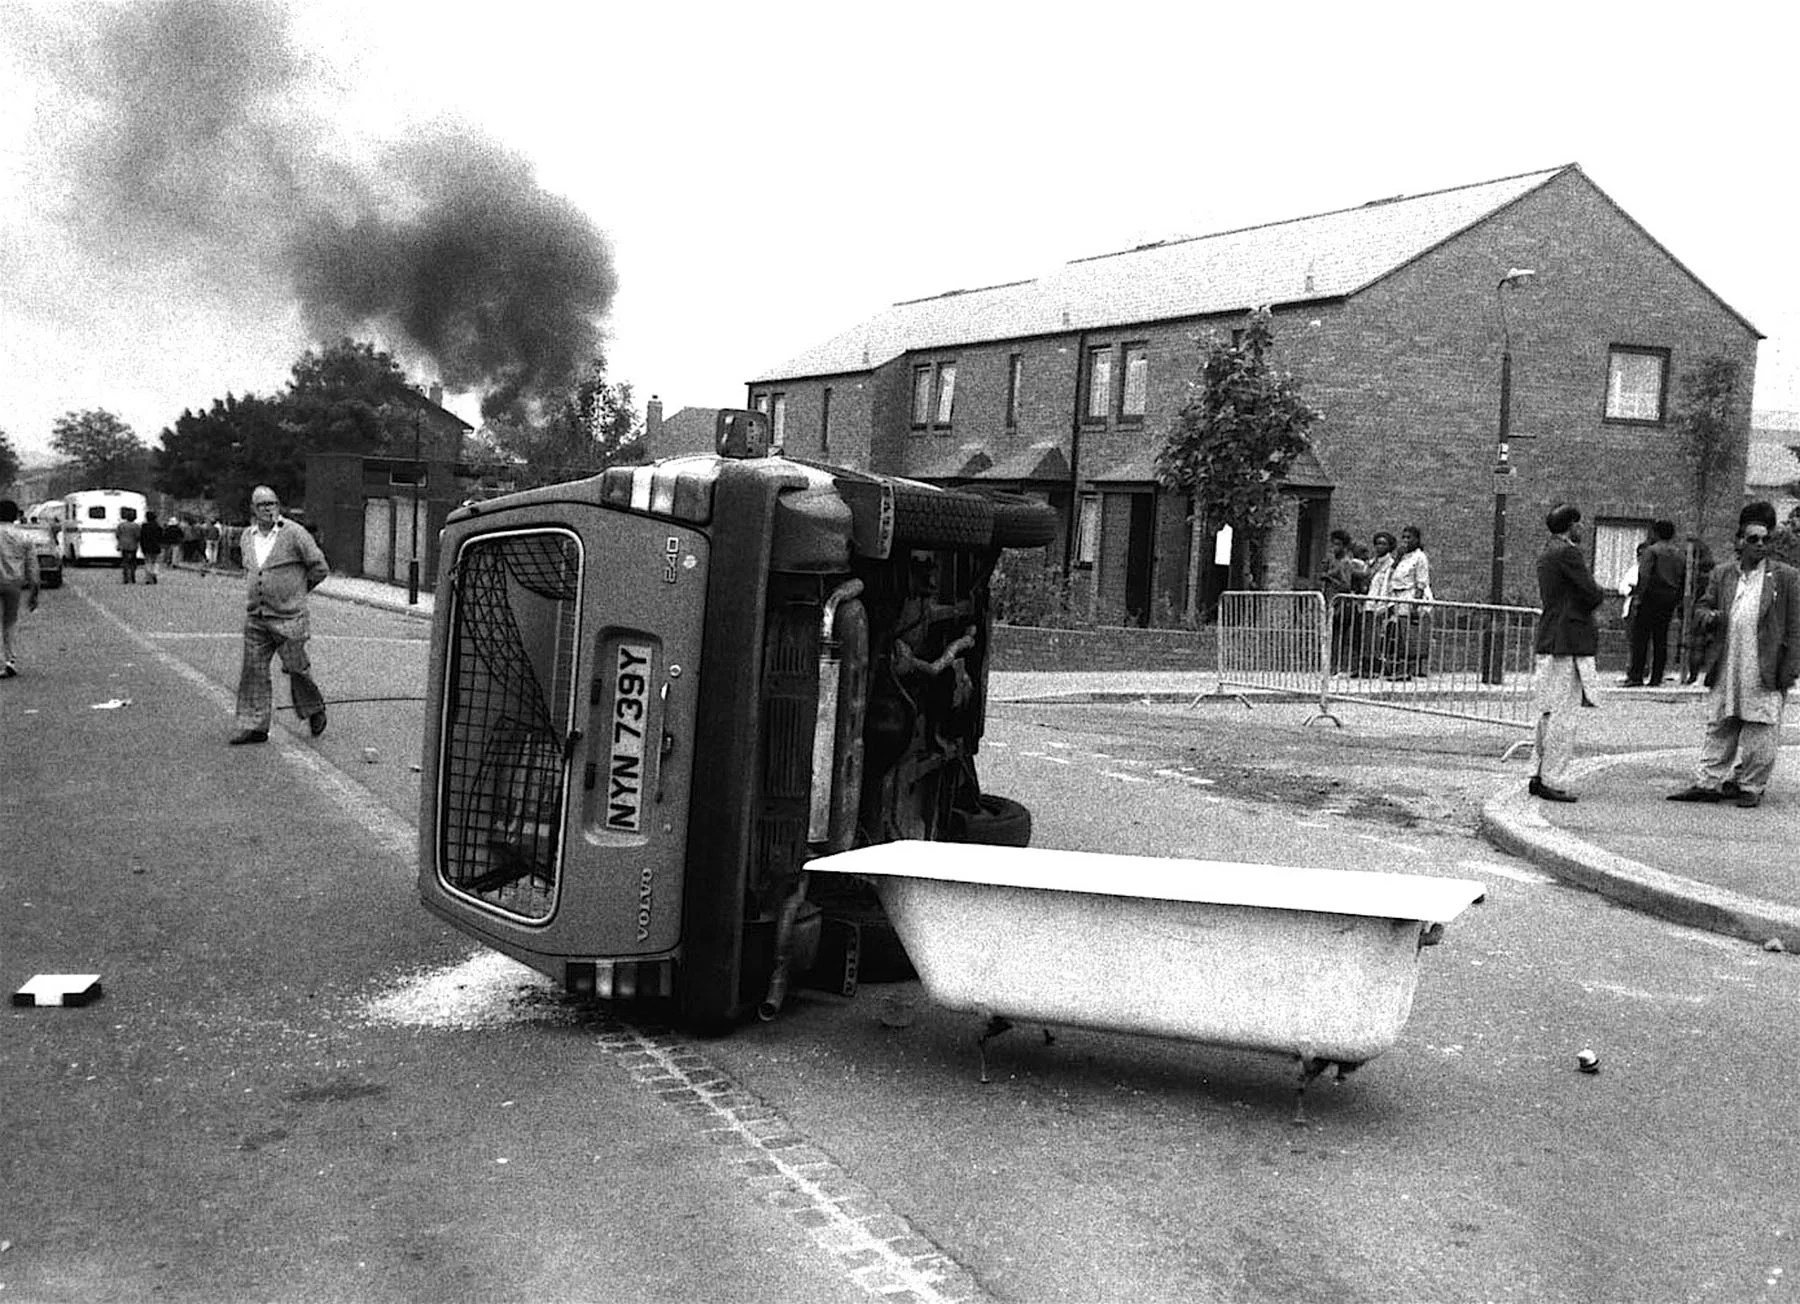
x=928 y=517
x=1000 y=822
x=1021 y=521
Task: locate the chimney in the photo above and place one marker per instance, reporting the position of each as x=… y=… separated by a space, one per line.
x=436 y=394
x=652 y=423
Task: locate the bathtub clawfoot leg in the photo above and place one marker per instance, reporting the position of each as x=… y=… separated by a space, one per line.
x=995 y=1026
x=1309 y=1069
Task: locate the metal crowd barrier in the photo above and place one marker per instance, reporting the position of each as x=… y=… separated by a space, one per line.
x=1275 y=643
x=1465 y=660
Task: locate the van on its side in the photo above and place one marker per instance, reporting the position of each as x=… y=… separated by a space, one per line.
x=90 y=516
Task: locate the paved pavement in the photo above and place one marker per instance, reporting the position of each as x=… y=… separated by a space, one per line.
x=1718 y=867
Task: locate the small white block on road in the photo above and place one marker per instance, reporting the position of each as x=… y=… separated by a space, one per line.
x=59 y=989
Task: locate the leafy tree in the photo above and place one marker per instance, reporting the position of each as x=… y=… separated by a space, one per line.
x=1705 y=426
x=102 y=448
x=9 y=460
x=337 y=398
x=594 y=427
x=1233 y=442
x=227 y=450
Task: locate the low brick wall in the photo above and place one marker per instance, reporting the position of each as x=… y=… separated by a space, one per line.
x=1021 y=647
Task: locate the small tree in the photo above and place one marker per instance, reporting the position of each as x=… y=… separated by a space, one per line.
x=1232 y=444
x=102 y=448
x=1705 y=425
x=9 y=460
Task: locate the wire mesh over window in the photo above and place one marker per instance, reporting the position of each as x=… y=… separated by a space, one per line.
x=510 y=672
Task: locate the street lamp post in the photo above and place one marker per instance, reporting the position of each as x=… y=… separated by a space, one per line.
x=412 y=565
x=1494 y=653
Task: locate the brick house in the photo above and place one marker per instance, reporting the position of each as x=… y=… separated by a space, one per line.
x=374 y=514
x=1774 y=460
x=1391 y=316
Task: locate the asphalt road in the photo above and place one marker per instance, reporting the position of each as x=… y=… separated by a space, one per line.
x=299 y=1086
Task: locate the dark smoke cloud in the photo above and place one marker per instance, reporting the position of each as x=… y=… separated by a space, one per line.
x=199 y=149
x=498 y=280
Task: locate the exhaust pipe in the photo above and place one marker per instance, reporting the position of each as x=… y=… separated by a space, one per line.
x=776 y=993
x=824 y=756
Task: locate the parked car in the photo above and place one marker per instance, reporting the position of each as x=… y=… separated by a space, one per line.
x=46 y=528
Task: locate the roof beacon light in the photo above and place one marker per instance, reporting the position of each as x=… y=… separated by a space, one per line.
x=742 y=434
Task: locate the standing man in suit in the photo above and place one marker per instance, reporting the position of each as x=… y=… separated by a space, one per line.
x=1662 y=575
x=282 y=565
x=1566 y=642
x=1750 y=613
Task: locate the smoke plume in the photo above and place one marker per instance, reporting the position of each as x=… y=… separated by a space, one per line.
x=198 y=148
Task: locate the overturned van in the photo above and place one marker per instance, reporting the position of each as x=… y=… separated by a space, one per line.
x=656 y=694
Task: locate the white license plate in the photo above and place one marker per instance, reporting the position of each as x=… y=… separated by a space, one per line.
x=633 y=666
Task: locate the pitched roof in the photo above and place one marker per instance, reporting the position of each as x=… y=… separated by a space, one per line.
x=1320 y=257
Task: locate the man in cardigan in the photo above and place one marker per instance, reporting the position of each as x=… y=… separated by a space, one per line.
x=1750 y=613
x=1566 y=642
x=283 y=565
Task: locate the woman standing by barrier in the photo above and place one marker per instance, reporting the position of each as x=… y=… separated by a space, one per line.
x=1411 y=620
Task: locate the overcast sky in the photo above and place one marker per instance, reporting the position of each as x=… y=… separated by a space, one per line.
x=767 y=175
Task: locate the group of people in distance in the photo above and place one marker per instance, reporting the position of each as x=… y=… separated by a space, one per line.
x=1748 y=615
x=1388 y=633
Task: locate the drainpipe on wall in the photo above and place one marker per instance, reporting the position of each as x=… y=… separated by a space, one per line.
x=1074 y=464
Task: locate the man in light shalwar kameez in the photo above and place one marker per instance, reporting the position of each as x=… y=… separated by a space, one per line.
x=1751 y=613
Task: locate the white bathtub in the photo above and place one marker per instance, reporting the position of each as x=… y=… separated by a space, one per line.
x=1319 y=964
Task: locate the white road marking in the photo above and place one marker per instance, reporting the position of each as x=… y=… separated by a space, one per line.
x=1637 y=994
x=1045 y=756
x=1124 y=778
x=1183 y=776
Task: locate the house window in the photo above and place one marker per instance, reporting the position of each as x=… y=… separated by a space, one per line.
x=1099 y=381
x=1134 y=389
x=760 y=403
x=1015 y=374
x=406 y=475
x=1615 y=549
x=946 y=394
x=825 y=420
x=1636 y=384
x=778 y=421
x=1087 y=531
x=921 y=401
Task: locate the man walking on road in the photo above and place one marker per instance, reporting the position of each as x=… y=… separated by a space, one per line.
x=1566 y=642
x=1662 y=574
x=1751 y=614
x=18 y=574
x=127 y=534
x=282 y=565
